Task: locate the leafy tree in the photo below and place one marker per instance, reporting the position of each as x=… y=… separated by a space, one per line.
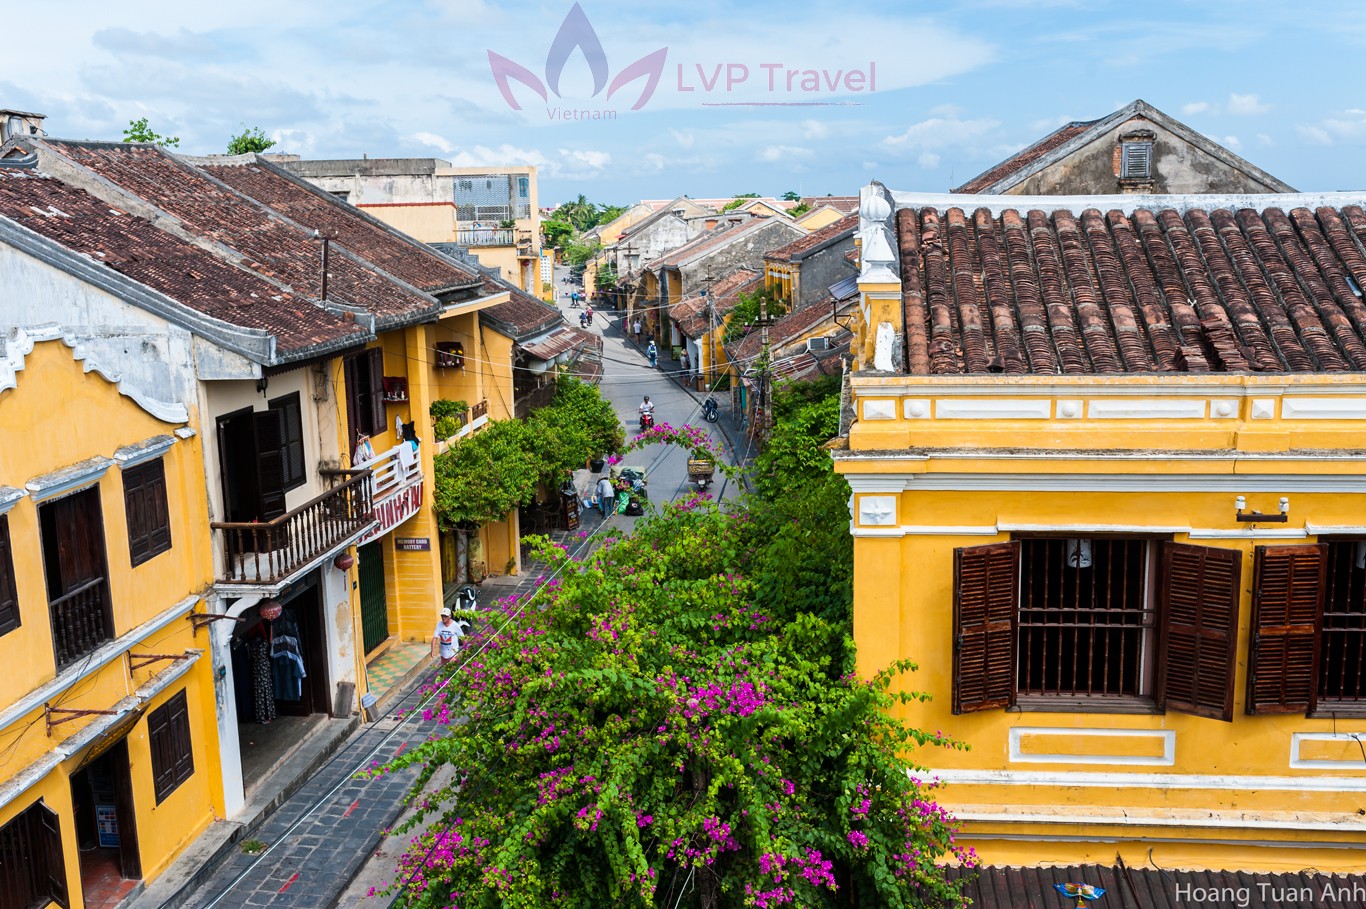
x=557 y=231
x=576 y=252
x=608 y=213
x=791 y=196
x=484 y=476
x=606 y=277
x=738 y=201
x=140 y=131
x=248 y=141
x=747 y=309
x=798 y=210
x=644 y=733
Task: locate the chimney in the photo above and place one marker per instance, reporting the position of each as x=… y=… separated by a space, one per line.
x=18 y=123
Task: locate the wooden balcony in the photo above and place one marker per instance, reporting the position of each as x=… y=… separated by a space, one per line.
x=480 y=409
x=268 y=552
x=80 y=621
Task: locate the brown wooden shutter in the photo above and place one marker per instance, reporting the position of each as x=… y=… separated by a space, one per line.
x=1199 y=608
x=378 y=417
x=1287 y=613
x=180 y=737
x=144 y=498
x=9 y=597
x=986 y=595
x=292 y=445
x=350 y=367
x=163 y=761
x=50 y=854
x=269 y=427
x=139 y=549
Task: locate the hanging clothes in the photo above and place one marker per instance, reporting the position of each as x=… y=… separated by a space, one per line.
x=262 y=683
x=287 y=658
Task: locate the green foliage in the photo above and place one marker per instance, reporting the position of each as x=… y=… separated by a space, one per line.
x=606 y=277
x=507 y=224
x=249 y=140
x=739 y=200
x=557 y=232
x=445 y=407
x=643 y=733
x=746 y=312
x=791 y=196
x=576 y=253
x=445 y=427
x=484 y=476
x=139 y=131
x=797 y=211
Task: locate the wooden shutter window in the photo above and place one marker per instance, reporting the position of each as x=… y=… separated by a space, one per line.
x=54 y=863
x=1199 y=602
x=378 y=417
x=292 y=440
x=350 y=368
x=9 y=597
x=270 y=463
x=986 y=594
x=1287 y=611
x=149 y=520
x=168 y=729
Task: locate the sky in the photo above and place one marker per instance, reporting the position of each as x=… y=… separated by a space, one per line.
x=759 y=96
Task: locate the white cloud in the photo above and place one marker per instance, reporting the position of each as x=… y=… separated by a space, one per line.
x=814 y=129
x=871 y=165
x=950 y=111
x=438 y=142
x=938 y=132
x=928 y=160
x=1264 y=139
x=1231 y=142
x=775 y=153
x=593 y=160
x=1349 y=126
x=1316 y=134
x=1246 y=105
x=1195 y=107
x=683 y=138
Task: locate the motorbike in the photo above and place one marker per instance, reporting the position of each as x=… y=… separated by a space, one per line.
x=647 y=420
x=711 y=409
x=701 y=471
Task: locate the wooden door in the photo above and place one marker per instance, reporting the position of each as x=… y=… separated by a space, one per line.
x=374 y=608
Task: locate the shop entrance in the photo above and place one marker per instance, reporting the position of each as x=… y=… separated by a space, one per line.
x=280 y=681
x=374 y=607
x=106 y=827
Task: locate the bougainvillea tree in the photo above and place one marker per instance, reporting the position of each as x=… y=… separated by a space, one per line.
x=641 y=733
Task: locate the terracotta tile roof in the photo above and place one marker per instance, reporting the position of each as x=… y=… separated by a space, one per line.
x=522 y=316
x=271 y=245
x=846 y=204
x=788 y=328
x=1162 y=290
x=1155 y=888
x=708 y=242
x=305 y=204
x=691 y=315
x=189 y=274
x=1027 y=156
x=830 y=233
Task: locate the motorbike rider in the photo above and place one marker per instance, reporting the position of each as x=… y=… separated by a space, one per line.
x=647 y=413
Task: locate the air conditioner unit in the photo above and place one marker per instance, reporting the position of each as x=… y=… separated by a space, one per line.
x=817 y=344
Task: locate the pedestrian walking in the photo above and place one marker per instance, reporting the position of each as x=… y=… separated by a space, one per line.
x=684 y=360
x=606 y=495
x=589 y=313
x=574 y=298
x=653 y=353
x=635 y=329
x=446 y=640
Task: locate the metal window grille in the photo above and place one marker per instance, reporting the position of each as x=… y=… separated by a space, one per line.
x=484 y=198
x=1136 y=160
x=1342 y=642
x=1086 y=618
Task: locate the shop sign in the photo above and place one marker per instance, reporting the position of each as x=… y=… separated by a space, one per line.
x=413 y=544
x=394 y=510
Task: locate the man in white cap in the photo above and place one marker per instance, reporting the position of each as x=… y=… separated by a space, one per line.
x=446 y=640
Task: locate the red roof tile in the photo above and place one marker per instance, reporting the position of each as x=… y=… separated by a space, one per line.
x=817 y=238
x=1152 y=291
x=708 y=242
x=303 y=203
x=846 y=204
x=790 y=327
x=271 y=245
x=692 y=316
x=522 y=316
x=1025 y=157
x=189 y=274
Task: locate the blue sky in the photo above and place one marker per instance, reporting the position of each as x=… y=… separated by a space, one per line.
x=960 y=85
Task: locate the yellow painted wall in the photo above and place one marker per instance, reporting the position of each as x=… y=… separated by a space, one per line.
x=820 y=217
x=916 y=430
x=55 y=399
x=425 y=221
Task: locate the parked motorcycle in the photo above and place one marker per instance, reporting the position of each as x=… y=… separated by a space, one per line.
x=711 y=410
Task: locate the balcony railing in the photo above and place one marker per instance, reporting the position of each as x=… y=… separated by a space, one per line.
x=267 y=552
x=80 y=621
x=484 y=237
x=480 y=409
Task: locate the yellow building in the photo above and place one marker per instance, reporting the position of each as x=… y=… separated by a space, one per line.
x=108 y=745
x=1108 y=481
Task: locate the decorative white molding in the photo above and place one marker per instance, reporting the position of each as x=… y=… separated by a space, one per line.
x=9 y=497
x=875 y=532
x=141 y=452
x=1263 y=409
x=68 y=479
x=1004 y=527
x=1223 y=408
x=876 y=483
x=1109 y=482
x=1358 y=740
x=1296 y=408
x=1166 y=759
x=1345 y=530
x=885 y=343
x=916 y=408
x=1260 y=533
x=964 y=530
x=15 y=349
x=1147 y=409
x=185 y=432
x=1092 y=819
x=1071 y=409
x=989 y=409
x=1118 y=780
x=876 y=409
x=1125 y=386
x=877 y=511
